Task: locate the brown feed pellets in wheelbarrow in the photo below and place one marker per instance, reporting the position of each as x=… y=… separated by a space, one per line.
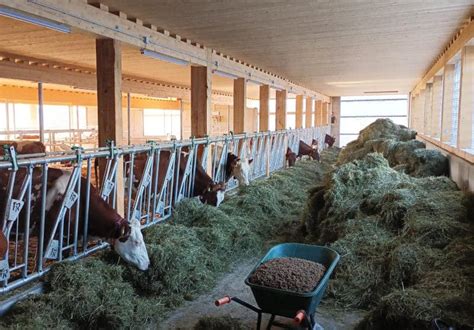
x=290 y=274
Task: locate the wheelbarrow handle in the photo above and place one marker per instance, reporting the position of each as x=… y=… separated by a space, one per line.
x=300 y=316
x=223 y=301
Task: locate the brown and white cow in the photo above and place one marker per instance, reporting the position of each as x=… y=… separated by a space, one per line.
x=24 y=147
x=329 y=140
x=104 y=222
x=307 y=150
x=208 y=191
x=290 y=157
x=238 y=168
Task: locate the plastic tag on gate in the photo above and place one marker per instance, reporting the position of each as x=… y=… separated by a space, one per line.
x=108 y=187
x=160 y=209
x=188 y=167
x=137 y=215
x=71 y=199
x=147 y=180
x=4 y=270
x=15 y=209
x=53 y=251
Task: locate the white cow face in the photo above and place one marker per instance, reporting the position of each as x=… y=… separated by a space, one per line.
x=241 y=171
x=133 y=249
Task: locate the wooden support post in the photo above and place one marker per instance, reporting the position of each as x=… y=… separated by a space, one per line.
x=240 y=98
x=318 y=117
x=280 y=110
x=427 y=109
x=109 y=103
x=299 y=112
x=308 y=122
x=336 y=111
x=447 y=113
x=200 y=101
x=437 y=101
x=264 y=108
x=466 y=100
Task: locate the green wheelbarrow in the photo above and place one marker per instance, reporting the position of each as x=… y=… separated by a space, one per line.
x=276 y=302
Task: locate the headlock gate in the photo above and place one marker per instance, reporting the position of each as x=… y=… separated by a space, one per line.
x=44 y=223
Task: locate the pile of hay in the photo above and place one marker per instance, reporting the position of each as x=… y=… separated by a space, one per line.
x=406 y=243
x=397 y=143
x=187 y=255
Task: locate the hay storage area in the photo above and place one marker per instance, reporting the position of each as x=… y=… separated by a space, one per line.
x=404 y=231
x=188 y=254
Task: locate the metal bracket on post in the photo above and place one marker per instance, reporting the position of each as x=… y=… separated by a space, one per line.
x=10 y=155
x=112 y=149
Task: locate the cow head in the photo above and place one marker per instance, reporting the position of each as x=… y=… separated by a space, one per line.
x=290 y=157
x=130 y=244
x=241 y=170
x=214 y=194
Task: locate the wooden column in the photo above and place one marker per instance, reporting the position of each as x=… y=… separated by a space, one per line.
x=437 y=101
x=240 y=97
x=447 y=113
x=264 y=107
x=466 y=99
x=336 y=111
x=109 y=103
x=318 y=116
x=308 y=122
x=427 y=109
x=280 y=110
x=200 y=101
x=299 y=112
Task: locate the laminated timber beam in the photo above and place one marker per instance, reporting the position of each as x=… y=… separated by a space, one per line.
x=97 y=19
x=264 y=108
x=240 y=98
x=33 y=69
x=280 y=110
x=299 y=112
x=309 y=113
x=109 y=103
x=200 y=101
x=456 y=44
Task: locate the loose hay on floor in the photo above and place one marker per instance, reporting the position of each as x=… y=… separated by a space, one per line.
x=187 y=255
x=290 y=274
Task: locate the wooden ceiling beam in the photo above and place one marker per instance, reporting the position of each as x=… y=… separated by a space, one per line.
x=81 y=15
x=463 y=36
x=32 y=69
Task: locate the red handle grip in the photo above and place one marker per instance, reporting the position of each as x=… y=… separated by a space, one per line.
x=300 y=315
x=222 y=301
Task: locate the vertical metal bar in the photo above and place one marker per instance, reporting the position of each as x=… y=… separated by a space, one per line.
x=155 y=184
x=78 y=206
x=129 y=136
x=41 y=111
x=86 y=207
x=130 y=186
x=26 y=237
x=44 y=190
x=177 y=169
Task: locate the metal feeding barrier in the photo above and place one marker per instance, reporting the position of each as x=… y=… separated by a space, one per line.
x=152 y=184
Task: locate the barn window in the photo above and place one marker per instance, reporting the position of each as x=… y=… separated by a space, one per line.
x=456 y=94
x=358 y=112
x=162 y=123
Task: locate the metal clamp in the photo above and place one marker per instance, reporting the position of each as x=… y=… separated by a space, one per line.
x=112 y=149
x=10 y=155
x=78 y=151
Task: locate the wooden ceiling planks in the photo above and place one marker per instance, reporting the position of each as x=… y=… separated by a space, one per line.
x=337 y=47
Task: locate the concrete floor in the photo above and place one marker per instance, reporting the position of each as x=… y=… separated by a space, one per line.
x=233 y=284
